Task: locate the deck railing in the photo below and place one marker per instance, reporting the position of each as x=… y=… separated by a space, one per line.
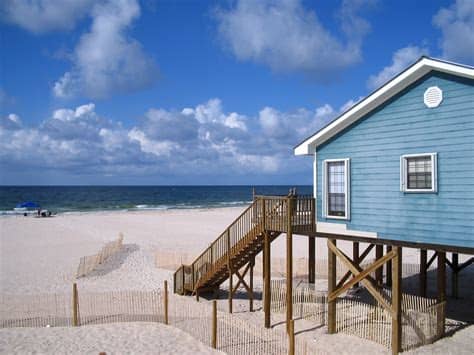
x=265 y=213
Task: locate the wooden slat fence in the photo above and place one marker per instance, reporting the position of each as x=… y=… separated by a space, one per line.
x=87 y=264
x=366 y=320
x=234 y=335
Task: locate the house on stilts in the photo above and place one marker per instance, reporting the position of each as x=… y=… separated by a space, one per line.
x=396 y=170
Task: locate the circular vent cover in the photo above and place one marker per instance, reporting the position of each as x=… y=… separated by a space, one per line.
x=433 y=97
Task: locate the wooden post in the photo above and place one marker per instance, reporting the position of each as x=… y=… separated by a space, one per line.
x=165 y=301
x=229 y=266
x=214 y=324
x=441 y=283
x=311 y=260
x=252 y=263
x=267 y=280
x=423 y=271
x=264 y=233
x=289 y=263
x=454 y=275
x=291 y=337
x=379 y=271
x=331 y=288
x=397 y=301
x=184 y=290
x=75 y=305
x=388 y=269
x=355 y=256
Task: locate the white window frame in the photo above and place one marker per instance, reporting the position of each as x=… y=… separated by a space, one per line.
x=347 y=176
x=404 y=173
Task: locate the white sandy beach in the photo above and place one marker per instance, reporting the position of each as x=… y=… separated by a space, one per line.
x=41 y=255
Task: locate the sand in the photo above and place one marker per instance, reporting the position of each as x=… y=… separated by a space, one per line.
x=118 y=338
x=41 y=255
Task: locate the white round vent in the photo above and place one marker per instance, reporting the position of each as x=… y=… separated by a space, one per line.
x=433 y=97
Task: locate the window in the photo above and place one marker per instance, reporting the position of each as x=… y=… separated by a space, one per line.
x=336 y=188
x=418 y=173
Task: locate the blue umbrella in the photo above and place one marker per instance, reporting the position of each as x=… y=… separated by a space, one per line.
x=28 y=204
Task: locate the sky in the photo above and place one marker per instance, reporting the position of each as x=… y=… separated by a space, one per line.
x=161 y=92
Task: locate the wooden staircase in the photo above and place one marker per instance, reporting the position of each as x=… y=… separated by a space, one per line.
x=243 y=240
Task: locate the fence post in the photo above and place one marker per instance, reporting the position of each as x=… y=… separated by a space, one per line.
x=75 y=305
x=165 y=300
x=291 y=337
x=214 y=324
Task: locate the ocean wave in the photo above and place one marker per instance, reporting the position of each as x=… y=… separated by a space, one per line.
x=131 y=208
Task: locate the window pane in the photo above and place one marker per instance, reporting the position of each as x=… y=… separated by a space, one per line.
x=419 y=172
x=336 y=189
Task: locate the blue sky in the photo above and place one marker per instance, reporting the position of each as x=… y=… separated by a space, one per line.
x=195 y=92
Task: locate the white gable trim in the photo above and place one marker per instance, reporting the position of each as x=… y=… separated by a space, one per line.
x=378 y=97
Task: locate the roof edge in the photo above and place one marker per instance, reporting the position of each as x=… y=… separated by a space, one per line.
x=379 y=96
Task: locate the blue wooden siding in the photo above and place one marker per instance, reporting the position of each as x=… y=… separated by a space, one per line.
x=405 y=125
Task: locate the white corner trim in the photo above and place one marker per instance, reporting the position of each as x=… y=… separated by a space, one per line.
x=341 y=229
x=380 y=96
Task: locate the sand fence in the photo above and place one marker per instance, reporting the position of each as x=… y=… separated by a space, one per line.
x=364 y=319
x=201 y=320
x=87 y=264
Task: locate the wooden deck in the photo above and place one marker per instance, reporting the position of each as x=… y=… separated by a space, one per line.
x=238 y=245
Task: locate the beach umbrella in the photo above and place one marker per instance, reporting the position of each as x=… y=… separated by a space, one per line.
x=28 y=204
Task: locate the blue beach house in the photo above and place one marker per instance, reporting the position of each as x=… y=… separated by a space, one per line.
x=399 y=165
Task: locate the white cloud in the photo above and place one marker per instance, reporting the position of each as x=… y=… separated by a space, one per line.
x=204 y=140
x=401 y=59
x=286 y=36
x=11 y=122
x=106 y=60
x=41 y=16
x=457 y=26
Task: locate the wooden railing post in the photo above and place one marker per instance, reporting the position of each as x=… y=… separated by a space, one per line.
x=291 y=338
x=397 y=301
x=289 y=263
x=423 y=272
x=214 y=325
x=331 y=287
x=229 y=266
x=184 y=278
x=441 y=285
x=267 y=279
x=75 y=306
x=165 y=301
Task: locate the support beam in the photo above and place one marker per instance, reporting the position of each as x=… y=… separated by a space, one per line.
x=388 y=269
x=441 y=284
x=355 y=256
x=397 y=300
x=454 y=275
x=331 y=287
x=311 y=260
x=251 y=295
x=379 y=271
x=266 y=283
x=289 y=263
x=423 y=271
x=230 y=289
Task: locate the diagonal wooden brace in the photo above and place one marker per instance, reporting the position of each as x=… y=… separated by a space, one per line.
x=368 y=281
x=358 y=276
x=241 y=280
x=361 y=259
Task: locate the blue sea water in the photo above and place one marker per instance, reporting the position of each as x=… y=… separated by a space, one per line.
x=60 y=199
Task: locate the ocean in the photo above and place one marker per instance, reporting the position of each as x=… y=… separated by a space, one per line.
x=65 y=199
